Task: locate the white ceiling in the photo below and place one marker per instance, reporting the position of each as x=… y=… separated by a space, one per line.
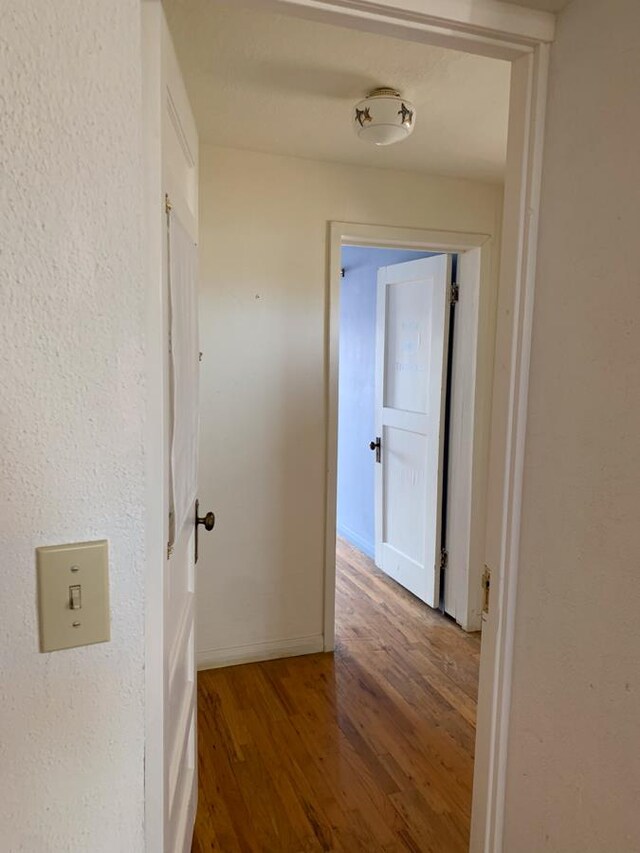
x=286 y=85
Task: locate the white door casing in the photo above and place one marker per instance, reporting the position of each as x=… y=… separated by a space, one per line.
x=472 y=366
x=411 y=365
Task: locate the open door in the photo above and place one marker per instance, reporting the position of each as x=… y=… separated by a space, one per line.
x=411 y=346
x=180 y=146
x=172 y=187
x=179 y=635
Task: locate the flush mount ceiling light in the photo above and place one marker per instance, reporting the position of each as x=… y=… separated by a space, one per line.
x=384 y=117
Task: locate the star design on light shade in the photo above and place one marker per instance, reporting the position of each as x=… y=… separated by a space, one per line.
x=406 y=113
x=362 y=116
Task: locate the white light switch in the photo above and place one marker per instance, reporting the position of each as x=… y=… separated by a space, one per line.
x=73 y=594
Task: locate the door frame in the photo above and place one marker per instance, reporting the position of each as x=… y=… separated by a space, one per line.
x=521 y=36
x=490 y=28
x=477 y=300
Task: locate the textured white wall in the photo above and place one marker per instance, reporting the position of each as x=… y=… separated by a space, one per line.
x=263 y=244
x=71 y=385
x=574 y=753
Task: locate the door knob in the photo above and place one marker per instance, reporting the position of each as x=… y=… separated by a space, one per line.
x=376 y=445
x=208 y=521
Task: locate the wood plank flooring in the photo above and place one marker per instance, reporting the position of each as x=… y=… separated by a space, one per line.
x=370 y=749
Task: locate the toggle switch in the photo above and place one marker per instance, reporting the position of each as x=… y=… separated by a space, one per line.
x=73 y=594
x=75 y=597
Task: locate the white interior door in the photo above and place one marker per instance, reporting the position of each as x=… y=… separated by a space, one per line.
x=411 y=345
x=179 y=634
x=172 y=163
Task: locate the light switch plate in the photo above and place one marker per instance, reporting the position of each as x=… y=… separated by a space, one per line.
x=70 y=616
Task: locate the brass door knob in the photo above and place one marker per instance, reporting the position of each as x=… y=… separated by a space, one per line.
x=208 y=521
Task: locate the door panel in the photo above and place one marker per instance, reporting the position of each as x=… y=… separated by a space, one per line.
x=404 y=492
x=412 y=335
x=179 y=187
x=171 y=235
x=180 y=702
x=407 y=348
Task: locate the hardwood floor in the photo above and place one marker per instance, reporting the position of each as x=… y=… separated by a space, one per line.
x=370 y=749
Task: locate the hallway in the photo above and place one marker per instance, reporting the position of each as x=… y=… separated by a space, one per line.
x=370 y=749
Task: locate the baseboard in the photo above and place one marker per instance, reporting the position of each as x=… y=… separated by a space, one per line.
x=472 y=624
x=215 y=658
x=356 y=540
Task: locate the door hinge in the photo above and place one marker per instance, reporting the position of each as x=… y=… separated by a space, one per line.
x=454 y=293
x=486 y=585
x=167 y=203
x=444 y=558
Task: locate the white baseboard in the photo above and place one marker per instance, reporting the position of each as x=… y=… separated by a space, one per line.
x=355 y=539
x=473 y=624
x=215 y=658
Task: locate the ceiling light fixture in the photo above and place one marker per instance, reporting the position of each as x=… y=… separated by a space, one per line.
x=384 y=117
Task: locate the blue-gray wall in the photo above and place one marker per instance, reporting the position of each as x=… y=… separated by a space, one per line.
x=357 y=388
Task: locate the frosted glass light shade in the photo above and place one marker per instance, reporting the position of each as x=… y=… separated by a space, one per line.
x=384 y=117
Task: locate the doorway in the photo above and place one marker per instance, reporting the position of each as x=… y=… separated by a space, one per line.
x=528 y=90
x=368 y=501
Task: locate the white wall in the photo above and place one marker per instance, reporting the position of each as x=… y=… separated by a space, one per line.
x=71 y=385
x=263 y=243
x=574 y=757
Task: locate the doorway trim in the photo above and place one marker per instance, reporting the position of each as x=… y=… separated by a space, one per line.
x=475 y=301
